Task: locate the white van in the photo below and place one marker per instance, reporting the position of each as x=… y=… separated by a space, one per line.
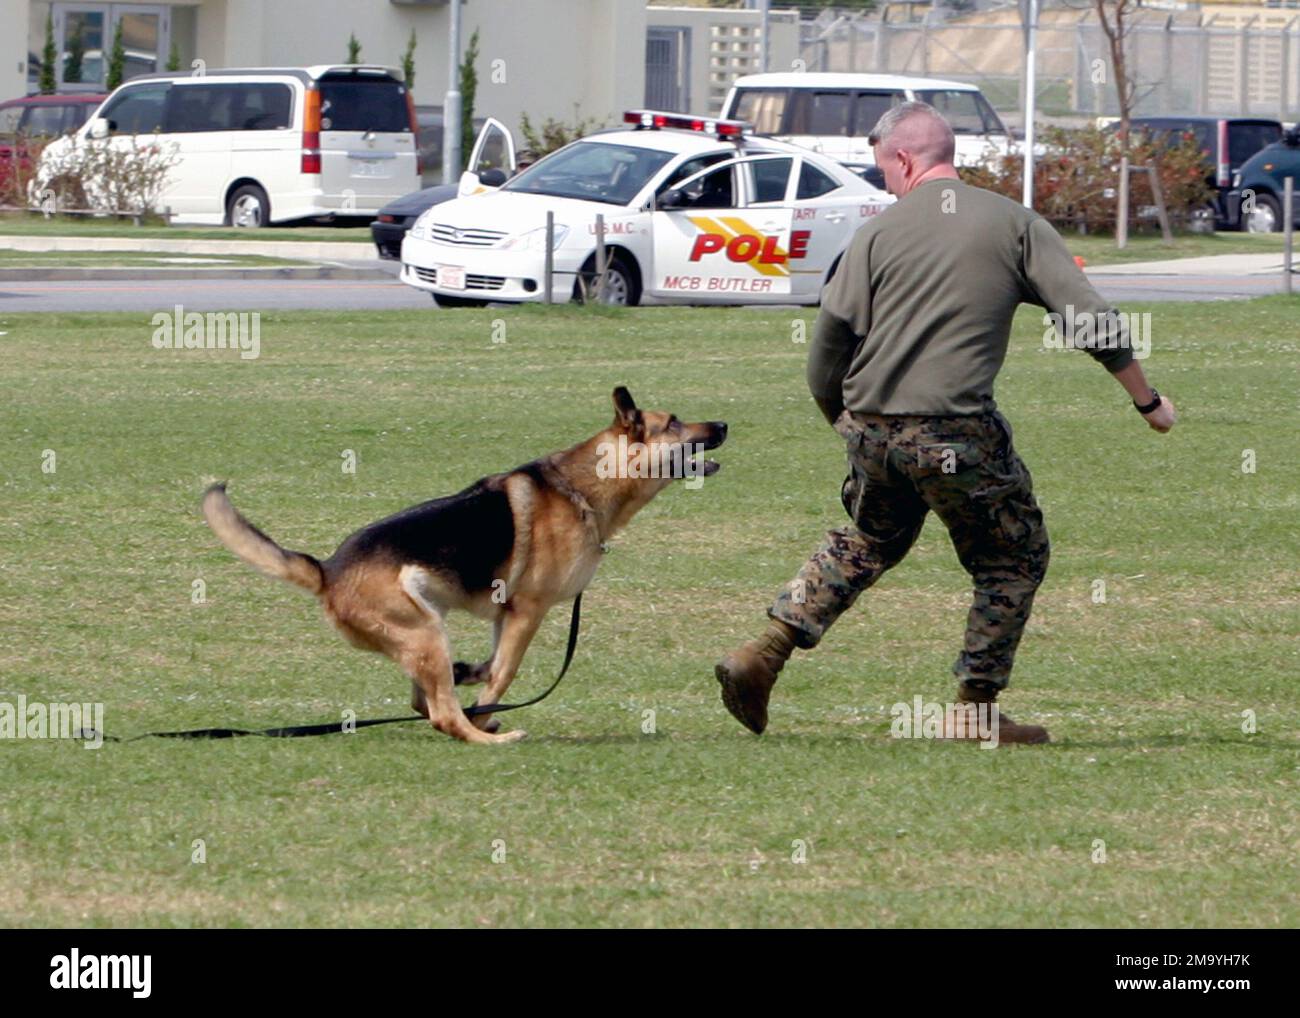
x=267 y=145
x=834 y=113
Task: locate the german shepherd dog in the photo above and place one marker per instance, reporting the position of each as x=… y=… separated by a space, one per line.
x=506 y=548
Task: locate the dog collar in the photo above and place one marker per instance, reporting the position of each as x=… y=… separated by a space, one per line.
x=585 y=512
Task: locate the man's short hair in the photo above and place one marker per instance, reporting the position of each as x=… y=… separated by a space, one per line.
x=941 y=147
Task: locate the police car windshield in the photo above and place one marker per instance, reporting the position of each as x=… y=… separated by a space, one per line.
x=592 y=171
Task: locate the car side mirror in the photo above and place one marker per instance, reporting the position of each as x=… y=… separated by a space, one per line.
x=100 y=127
x=1291 y=138
x=671 y=199
x=492 y=178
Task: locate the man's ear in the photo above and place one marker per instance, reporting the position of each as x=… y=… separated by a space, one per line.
x=626 y=414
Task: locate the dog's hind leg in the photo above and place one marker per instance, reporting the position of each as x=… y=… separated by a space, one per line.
x=426 y=657
x=517 y=631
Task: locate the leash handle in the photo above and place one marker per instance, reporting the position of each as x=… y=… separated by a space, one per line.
x=329 y=728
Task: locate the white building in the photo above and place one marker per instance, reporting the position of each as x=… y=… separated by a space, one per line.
x=547 y=58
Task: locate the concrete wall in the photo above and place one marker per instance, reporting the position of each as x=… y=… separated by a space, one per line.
x=724 y=45
x=14 y=16
x=558 y=58
x=543 y=59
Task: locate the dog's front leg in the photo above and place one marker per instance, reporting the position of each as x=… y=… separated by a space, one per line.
x=518 y=627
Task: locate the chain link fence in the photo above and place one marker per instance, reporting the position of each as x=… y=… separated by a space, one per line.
x=1183 y=62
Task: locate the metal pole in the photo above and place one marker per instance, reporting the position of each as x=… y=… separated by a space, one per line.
x=764 y=26
x=1288 y=229
x=548 y=269
x=1121 y=220
x=451 y=155
x=1031 y=88
x=600 y=258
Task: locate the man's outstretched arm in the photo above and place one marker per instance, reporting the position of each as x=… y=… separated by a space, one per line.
x=1061 y=287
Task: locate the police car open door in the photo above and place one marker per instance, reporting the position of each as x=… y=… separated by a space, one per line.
x=710 y=247
x=494 y=149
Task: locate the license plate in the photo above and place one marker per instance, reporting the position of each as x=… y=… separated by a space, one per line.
x=367 y=168
x=451 y=277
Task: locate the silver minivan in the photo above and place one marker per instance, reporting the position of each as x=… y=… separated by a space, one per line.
x=267 y=145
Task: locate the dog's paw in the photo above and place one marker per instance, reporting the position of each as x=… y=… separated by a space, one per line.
x=465 y=674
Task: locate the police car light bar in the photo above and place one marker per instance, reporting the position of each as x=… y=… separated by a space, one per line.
x=655 y=119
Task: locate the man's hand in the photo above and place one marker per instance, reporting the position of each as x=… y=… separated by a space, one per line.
x=1162 y=418
x=1130 y=376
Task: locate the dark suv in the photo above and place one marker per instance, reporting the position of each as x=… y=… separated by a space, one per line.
x=1262 y=177
x=1227 y=143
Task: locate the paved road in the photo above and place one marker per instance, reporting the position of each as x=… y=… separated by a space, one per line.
x=365 y=295
x=1167 y=287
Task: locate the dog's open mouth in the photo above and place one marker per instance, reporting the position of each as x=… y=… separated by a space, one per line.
x=701 y=467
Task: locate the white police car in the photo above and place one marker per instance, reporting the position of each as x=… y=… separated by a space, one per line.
x=695 y=211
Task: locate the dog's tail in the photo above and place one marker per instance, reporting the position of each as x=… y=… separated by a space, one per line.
x=255 y=548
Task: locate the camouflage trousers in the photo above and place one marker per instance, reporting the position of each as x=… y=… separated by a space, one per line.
x=965 y=470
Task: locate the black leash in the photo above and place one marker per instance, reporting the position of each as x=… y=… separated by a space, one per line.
x=301 y=731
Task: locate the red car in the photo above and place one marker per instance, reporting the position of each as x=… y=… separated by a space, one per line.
x=49 y=116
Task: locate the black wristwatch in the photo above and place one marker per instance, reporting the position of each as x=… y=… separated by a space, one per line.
x=1154 y=404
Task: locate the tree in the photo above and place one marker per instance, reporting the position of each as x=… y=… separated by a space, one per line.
x=468 y=86
x=117 y=62
x=48 y=57
x=354 y=49
x=174 y=58
x=72 y=62
x=1112 y=15
x=1116 y=29
x=555 y=134
x=408 y=63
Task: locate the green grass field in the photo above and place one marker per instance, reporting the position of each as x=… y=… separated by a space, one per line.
x=591 y=820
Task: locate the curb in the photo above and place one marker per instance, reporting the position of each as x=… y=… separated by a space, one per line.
x=304 y=250
x=146 y=274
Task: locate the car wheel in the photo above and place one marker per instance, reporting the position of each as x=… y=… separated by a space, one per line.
x=443 y=301
x=1266 y=217
x=248 y=207
x=622 y=284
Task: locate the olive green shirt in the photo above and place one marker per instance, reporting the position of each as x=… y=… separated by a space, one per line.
x=917 y=316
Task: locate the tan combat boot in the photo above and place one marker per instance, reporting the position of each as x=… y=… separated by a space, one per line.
x=749 y=672
x=963 y=724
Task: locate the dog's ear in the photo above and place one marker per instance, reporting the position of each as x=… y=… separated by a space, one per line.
x=626 y=414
